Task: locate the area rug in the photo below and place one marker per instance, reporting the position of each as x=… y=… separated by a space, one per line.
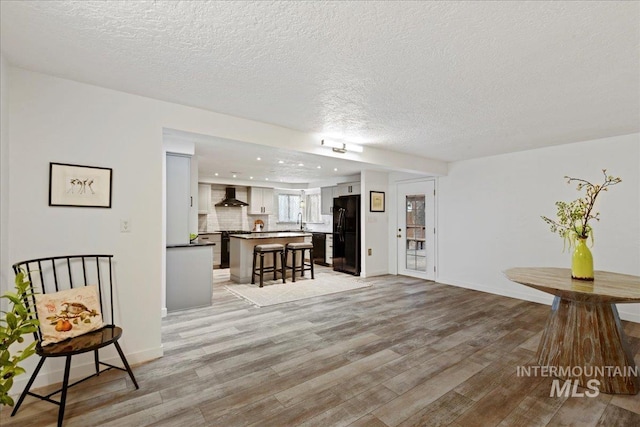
x=277 y=292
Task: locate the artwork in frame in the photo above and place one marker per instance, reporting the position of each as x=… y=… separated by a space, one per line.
x=79 y=186
x=376 y=201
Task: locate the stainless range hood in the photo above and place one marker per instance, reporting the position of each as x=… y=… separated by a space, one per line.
x=230 y=199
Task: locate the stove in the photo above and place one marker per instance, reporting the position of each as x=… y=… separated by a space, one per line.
x=224 y=234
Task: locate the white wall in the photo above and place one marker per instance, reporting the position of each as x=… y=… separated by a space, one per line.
x=54 y=120
x=376 y=225
x=489 y=214
x=6 y=277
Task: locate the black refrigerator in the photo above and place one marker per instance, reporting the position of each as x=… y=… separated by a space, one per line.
x=346 y=234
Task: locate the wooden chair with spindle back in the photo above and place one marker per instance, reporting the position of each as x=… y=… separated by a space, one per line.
x=66 y=276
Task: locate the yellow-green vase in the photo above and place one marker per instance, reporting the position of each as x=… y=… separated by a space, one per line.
x=582 y=261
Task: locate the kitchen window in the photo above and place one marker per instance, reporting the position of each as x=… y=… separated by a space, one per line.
x=288 y=207
x=313 y=207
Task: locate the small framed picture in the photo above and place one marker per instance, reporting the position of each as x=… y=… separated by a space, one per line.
x=376 y=201
x=79 y=186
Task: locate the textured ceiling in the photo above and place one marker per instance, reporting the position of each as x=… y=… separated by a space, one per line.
x=444 y=80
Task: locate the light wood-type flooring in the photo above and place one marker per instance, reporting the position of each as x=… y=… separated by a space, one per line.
x=404 y=352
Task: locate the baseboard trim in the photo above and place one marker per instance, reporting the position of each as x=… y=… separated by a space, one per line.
x=375 y=273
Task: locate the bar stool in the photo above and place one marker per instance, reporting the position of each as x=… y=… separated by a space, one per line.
x=274 y=248
x=294 y=248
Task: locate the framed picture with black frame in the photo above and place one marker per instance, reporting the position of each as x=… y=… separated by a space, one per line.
x=79 y=186
x=376 y=201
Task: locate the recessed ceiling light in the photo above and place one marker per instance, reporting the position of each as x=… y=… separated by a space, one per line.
x=319 y=167
x=266 y=179
x=335 y=169
x=281 y=161
x=234 y=175
x=216 y=174
x=250 y=177
x=300 y=164
x=258 y=158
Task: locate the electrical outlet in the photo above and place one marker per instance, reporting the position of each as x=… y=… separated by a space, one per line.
x=125 y=226
x=369 y=251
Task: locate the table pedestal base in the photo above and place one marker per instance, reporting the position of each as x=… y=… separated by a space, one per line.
x=585 y=341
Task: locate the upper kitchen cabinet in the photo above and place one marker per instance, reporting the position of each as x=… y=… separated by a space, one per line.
x=204 y=198
x=179 y=200
x=326 y=200
x=347 y=189
x=328 y=193
x=260 y=201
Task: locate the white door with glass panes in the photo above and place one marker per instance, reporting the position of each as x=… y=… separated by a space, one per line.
x=415 y=231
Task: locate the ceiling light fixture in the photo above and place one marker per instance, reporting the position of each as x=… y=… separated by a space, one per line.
x=341 y=147
x=319 y=167
x=258 y=158
x=300 y=164
x=281 y=161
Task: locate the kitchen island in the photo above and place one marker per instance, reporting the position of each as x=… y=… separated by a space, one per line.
x=241 y=250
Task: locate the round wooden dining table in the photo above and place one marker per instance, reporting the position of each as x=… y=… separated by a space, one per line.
x=583 y=337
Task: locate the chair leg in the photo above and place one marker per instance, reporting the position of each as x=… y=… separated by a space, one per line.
x=261 y=269
x=311 y=262
x=293 y=268
x=285 y=266
x=65 y=385
x=126 y=364
x=28 y=387
x=302 y=263
x=283 y=269
x=253 y=270
x=275 y=265
x=96 y=361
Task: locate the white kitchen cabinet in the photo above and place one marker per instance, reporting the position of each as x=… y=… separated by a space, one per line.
x=217 y=249
x=204 y=198
x=260 y=201
x=347 y=189
x=326 y=200
x=178 y=198
x=329 y=249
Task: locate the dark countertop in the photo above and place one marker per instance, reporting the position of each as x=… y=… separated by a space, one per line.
x=191 y=245
x=297 y=230
x=271 y=235
x=209 y=232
